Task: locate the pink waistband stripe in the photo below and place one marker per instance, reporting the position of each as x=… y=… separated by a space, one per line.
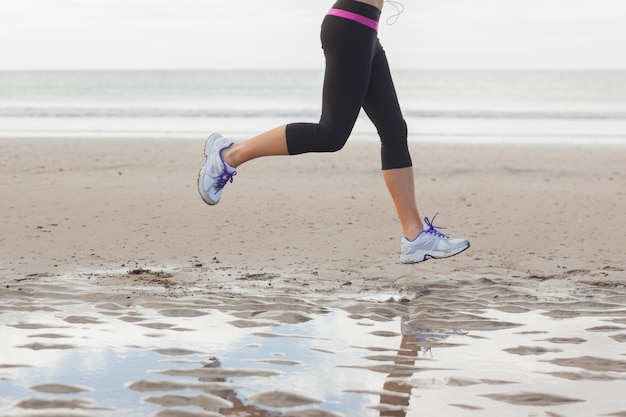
x=371 y=23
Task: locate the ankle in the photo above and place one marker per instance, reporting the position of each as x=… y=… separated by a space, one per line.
x=412 y=233
x=228 y=156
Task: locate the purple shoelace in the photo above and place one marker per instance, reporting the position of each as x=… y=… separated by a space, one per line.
x=225 y=178
x=432 y=229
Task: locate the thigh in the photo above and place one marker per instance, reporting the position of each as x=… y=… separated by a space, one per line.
x=383 y=108
x=381 y=100
x=348 y=49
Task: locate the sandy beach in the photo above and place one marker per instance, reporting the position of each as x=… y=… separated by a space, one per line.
x=311 y=223
x=119 y=225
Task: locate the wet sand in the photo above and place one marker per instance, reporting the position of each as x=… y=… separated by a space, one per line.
x=78 y=350
x=95 y=233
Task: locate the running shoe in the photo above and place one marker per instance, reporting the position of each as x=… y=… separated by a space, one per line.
x=430 y=243
x=215 y=173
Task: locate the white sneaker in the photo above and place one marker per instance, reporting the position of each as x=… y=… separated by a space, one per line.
x=430 y=243
x=215 y=173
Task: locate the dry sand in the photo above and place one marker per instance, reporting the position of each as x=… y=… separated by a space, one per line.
x=535 y=214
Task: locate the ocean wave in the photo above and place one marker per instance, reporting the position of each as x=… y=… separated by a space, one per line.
x=158 y=112
x=534 y=114
x=147 y=112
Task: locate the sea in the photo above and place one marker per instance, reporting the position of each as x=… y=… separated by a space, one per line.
x=439 y=105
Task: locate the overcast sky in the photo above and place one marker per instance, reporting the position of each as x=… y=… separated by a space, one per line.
x=205 y=34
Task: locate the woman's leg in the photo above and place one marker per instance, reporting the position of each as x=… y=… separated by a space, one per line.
x=348 y=47
x=382 y=107
x=348 y=50
x=401 y=187
x=272 y=142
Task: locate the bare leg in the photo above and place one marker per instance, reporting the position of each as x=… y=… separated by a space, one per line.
x=272 y=142
x=401 y=186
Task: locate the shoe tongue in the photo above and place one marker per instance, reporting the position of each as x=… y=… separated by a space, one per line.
x=229 y=169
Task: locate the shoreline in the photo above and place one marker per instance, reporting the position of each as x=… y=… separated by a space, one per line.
x=360 y=137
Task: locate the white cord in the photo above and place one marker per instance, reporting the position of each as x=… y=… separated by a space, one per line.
x=391 y=20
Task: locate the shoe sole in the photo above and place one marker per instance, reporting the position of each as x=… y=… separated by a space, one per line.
x=209 y=202
x=206 y=147
x=428 y=256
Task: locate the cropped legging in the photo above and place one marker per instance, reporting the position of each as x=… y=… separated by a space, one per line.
x=357 y=76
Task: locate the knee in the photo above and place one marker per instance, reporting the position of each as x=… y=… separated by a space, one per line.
x=394 y=147
x=333 y=139
x=335 y=144
x=396 y=131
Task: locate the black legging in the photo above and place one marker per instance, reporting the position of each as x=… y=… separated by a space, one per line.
x=357 y=75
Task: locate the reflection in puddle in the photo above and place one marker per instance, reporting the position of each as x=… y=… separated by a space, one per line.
x=274 y=357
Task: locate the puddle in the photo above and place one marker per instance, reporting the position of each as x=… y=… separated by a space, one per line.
x=212 y=356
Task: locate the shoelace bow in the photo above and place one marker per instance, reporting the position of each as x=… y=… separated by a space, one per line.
x=432 y=229
x=225 y=178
